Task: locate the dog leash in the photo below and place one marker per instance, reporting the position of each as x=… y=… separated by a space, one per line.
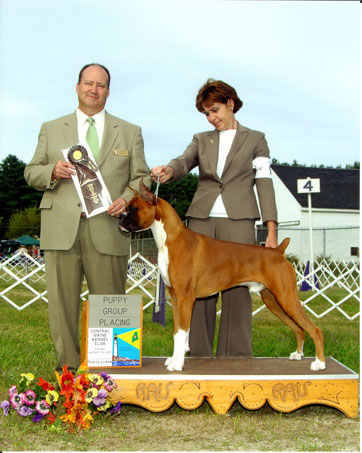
x=157 y=187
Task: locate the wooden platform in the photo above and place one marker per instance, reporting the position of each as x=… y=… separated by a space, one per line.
x=286 y=385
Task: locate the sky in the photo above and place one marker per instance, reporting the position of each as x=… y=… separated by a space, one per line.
x=295 y=65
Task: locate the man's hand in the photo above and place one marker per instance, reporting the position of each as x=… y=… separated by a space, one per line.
x=117 y=207
x=63 y=170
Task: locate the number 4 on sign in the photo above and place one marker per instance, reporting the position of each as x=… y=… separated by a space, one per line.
x=308 y=185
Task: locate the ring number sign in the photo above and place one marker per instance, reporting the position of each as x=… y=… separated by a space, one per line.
x=309 y=185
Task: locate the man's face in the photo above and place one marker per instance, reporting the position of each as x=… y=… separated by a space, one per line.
x=92 y=90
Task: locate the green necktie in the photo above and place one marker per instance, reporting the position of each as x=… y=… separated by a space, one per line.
x=92 y=138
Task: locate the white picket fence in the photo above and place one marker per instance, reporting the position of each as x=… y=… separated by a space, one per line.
x=26 y=275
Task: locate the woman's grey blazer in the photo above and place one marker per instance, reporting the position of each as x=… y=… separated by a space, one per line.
x=236 y=184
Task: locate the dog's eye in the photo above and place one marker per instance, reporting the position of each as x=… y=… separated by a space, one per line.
x=132 y=209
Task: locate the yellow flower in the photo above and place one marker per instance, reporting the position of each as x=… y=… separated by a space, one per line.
x=104 y=406
x=51 y=397
x=28 y=376
x=91 y=393
x=89 y=417
x=59 y=378
x=96 y=378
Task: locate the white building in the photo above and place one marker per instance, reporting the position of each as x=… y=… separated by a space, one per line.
x=335 y=212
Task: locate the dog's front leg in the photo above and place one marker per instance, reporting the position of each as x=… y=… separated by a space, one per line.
x=181 y=309
x=176 y=362
x=171 y=361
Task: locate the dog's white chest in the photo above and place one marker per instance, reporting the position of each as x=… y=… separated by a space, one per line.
x=160 y=236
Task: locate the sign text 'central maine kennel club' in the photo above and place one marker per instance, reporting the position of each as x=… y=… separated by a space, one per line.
x=114 y=332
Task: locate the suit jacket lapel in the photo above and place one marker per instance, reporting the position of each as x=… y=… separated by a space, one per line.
x=70 y=129
x=212 y=151
x=239 y=139
x=111 y=130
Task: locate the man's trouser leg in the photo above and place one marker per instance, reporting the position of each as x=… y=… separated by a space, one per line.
x=64 y=282
x=65 y=270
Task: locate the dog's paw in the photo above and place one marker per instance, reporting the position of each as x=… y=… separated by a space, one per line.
x=297 y=355
x=174 y=365
x=168 y=361
x=318 y=365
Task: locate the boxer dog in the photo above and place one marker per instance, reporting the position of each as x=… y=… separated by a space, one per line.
x=196 y=266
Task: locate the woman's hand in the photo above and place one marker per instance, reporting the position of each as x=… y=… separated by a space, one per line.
x=271 y=239
x=165 y=173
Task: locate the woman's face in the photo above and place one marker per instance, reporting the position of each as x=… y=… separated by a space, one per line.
x=221 y=116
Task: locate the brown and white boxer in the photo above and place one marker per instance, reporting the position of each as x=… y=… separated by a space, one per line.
x=193 y=265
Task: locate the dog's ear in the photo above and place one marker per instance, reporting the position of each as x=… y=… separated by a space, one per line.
x=146 y=194
x=133 y=190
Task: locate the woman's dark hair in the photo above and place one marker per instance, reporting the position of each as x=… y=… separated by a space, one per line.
x=94 y=64
x=216 y=91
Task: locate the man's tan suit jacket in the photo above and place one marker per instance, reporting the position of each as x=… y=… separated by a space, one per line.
x=236 y=184
x=121 y=162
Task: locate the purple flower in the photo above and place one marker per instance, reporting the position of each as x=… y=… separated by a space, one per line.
x=5 y=406
x=17 y=399
x=110 y=384
x=101 y=397
x=42 y=407
x=30 y=396
x=37 y=418
x=24 y=411
x=116 y=408
x=12 y=390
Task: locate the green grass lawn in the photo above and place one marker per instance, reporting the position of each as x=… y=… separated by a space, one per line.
x=26 y=346
x=25 y=343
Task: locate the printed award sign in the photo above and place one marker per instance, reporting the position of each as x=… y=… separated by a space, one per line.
x=88 y=180
x=114 y=332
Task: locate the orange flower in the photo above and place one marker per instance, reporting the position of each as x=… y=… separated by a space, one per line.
x=83 y=381
x=67 y=378
x=79 y=416
x=51 y=418
x=44 y=384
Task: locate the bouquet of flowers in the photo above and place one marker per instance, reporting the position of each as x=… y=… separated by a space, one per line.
x=75 y=399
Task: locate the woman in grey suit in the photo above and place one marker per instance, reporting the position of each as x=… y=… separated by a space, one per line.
x=231 y=159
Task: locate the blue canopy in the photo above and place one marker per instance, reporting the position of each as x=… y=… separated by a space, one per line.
x=28 y=240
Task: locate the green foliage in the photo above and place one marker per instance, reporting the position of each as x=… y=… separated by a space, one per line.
x=354 y=166
x=15 y=194
x=295 y=163
x=179 y=193
x=24 y=222
x=292 y=258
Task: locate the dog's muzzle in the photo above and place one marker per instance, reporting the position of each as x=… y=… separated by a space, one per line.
x=122 y=222
x=128 y=222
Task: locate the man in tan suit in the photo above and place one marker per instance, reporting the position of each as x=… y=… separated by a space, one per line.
x=231 y=159
x=73 y=245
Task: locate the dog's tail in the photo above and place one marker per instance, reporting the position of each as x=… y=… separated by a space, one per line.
x=283 y=245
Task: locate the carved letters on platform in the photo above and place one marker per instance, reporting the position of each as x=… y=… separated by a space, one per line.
x=284 y=396
x=294 y=390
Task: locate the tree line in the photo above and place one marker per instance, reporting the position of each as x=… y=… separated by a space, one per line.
x=19 y=203
x=295 y=163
